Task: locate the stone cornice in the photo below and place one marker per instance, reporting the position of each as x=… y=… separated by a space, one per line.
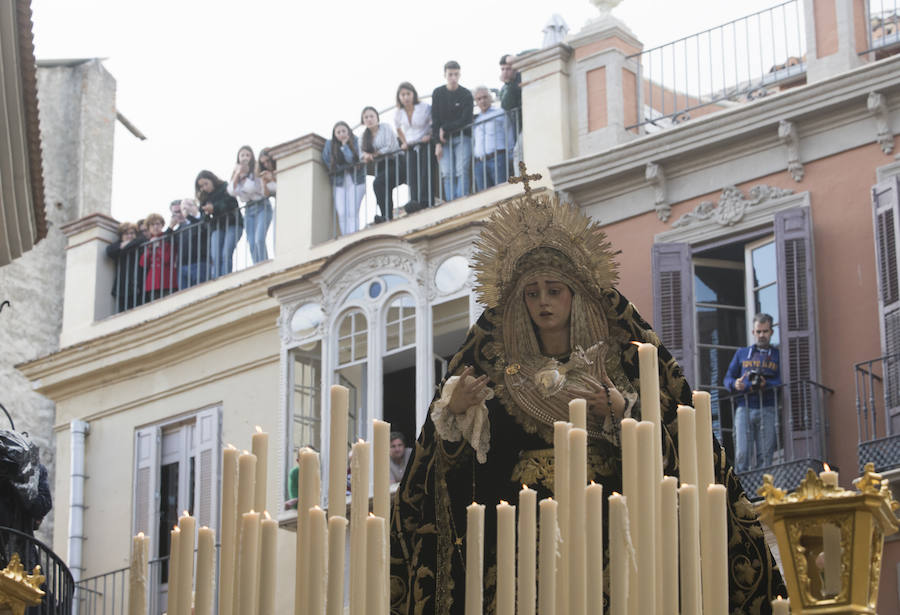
x=733 y=125
x=560 y=52
x=89 y=222
x=297 y=145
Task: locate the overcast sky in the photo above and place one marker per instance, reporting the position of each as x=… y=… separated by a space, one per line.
x=201 y=78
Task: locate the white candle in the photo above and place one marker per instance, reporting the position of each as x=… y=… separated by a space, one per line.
x=377 y=598
x=689 y=549
x=668 y=514
x=259 y=446
x=687 y=445
x=828 y=476
x=578 y=413
x=831 y=543
x=137 y=575
x=206 y=571
x=619 y=555
x=506 y=559
x=561 y=492
x=317 y=529
x=337 y=538
x=715 y=567
x=630 y=492
x=248 y=555
x=359 y=510
x=381 y=444
x=310 y=494
x=649 y=377
x=228 y=530
x=187 y=524
x=172 y=603
x=705 y=478
x=594 y=542
x=337 y=452
x=474 y=559
x=527 y=550
x=268 y=569
x=577 y=526
x=246 y=492
x=780 y=606
x=647 y=539
x=548 y=553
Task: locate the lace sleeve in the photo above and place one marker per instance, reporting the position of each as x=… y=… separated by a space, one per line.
x=473 y=425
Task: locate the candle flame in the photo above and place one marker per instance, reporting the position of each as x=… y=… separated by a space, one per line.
x=636 y=343
x=246 y=452
x=504 y=503
x=616 y=493
x=593 y=483
x=259 y=429
x=140 y=534
x=251 y=512
x=231 y=446
x=371 y=514
x=827 y=467
x=266 y=513
x=779 y=597
x=524 y=486
x=360 y=441
x=184 y=513
x=316 y=507
x=176 y=529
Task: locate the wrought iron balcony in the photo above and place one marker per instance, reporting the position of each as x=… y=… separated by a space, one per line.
x=58 y=585
x=878 y=411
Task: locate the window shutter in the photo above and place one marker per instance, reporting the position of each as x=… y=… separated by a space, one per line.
x=797 y=315
x=673 y=302
x=146 y=482
x=206 y=469
x=886 y=213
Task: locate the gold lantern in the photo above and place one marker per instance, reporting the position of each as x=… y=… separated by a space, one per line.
x=830 y=540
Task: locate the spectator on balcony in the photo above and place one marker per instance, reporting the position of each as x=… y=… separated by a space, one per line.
x=224 y=218
x=127 y=285
x=348 y=176
x=451 y=116
x=378 y=146
x=413 y=123
x=511 y=92
x=494 y=136
x=158 y=259
x=754 y=373
x=265 y=168
x=191 y=238
x=399 y=456
x=247 y=187
x=142 y=229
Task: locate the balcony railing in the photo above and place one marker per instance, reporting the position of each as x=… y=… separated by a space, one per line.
x=195 y=252
x=878 y=411
x=107 y=594
x=884 y=26
x=799 y=409
x=403 y=182
x=742 y=60
x=58 y=586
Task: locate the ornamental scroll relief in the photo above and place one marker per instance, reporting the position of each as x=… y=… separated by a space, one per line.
x=732 y=205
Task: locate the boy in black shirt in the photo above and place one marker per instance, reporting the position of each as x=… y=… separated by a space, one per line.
x=451 y=118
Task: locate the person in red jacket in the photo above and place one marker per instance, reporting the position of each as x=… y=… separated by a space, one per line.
x=158 y=261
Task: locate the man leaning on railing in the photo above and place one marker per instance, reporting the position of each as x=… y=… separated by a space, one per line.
x=755 y=372
x=495 y=137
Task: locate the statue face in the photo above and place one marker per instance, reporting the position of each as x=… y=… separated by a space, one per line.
x=549 y=304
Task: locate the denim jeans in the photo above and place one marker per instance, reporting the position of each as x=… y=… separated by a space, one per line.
x=223 y=240
x=455 y=160
x=257 y=218
x=754 y=427
x=191 y=275
x=490 y=171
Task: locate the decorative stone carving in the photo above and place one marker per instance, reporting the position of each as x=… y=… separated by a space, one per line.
x=376 y=265
x=732 y=205
x=877 y=106
x=656 y=177
x=787 y=134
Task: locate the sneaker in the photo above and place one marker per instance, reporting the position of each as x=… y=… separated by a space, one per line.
x=379 y=219
x=414 y=206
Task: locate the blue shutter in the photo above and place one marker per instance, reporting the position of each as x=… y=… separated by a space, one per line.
x=673 y=303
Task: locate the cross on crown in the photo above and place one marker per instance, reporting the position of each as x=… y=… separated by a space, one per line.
x=524 y=178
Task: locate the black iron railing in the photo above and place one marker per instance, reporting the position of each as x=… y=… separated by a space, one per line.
x=58 y=586
x=878 y=411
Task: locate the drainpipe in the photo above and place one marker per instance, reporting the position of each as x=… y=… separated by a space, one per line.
x=78 y=432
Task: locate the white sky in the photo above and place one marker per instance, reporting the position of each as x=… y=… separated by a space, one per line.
x=202 y=78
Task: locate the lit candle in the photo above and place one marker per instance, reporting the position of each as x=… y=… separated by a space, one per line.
x=715 y=565
x=474 y=559
x=668 y=514
x=137 y=575
x=506 y=559
x=187 y=524
x=248 y=555
x=705 y=477
x=206 y=571
x=246 y=492
x=309 y=488
x=561 y=492
x=687 y=445
x=172 y=603
x=647 y=540
x=359 y=509
x=831 y=543
x=578 y=413
x=577 y=526
x=619 y=555
x=259 y=446
x=268 y=569
x=227 y=531
x=547 y=578
x=527 y=550
x=828 y=476
x=630 y=492
x=650 y=411
x=780 y=606
x=689 y=549
x=381 y=444
x=337 y=452
x=317 y=529
x=594 y=543
x=337 y=539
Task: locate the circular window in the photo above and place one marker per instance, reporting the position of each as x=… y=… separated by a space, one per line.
x=452 y=274
x=305 y=320
x=374 y=289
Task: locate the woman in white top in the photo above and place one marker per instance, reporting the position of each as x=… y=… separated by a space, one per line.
x=379 y=144
x=246 y=186
x=413 y=122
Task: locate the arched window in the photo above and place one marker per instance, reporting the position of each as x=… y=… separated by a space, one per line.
x=352 y=338
x=400 y=323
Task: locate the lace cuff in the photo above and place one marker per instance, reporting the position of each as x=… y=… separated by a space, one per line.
x=473 y=425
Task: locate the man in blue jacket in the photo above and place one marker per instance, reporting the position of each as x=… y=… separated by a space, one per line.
x=754 y=372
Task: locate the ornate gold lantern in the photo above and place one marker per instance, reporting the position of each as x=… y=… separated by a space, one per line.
x=18 y=589
x=831 y=540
